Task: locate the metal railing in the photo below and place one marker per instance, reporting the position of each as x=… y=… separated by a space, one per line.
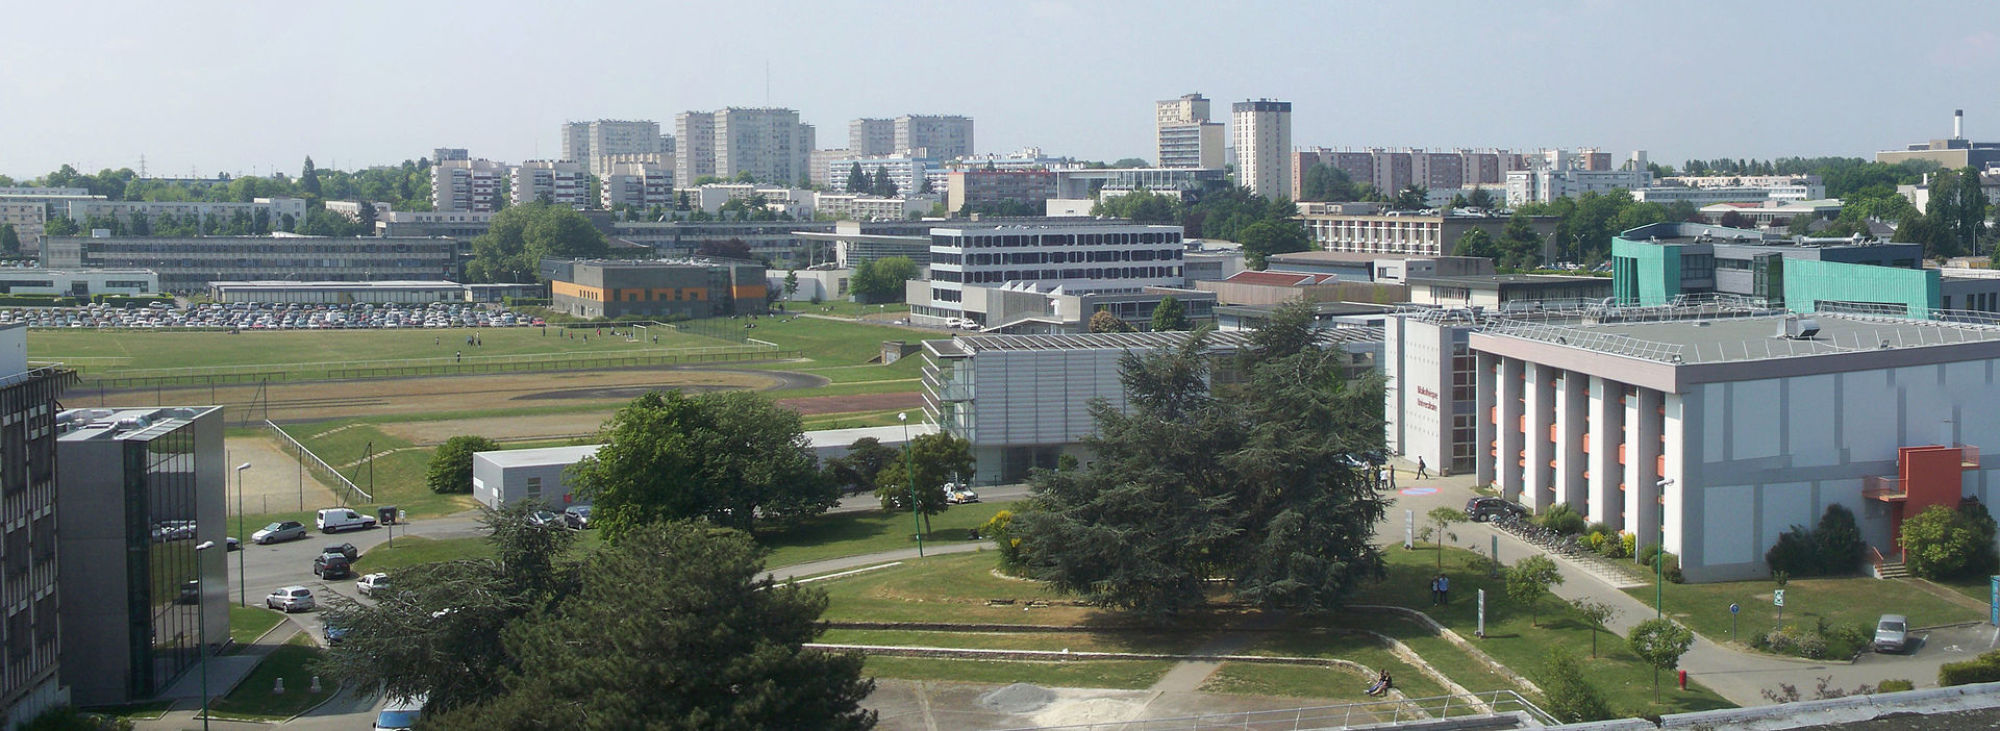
x=1590 y=339
x=1387 y=711
x=319 y=468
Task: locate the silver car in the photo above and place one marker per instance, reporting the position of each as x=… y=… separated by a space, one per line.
x=1892 y=633
x=290 y=599
x=289 y=530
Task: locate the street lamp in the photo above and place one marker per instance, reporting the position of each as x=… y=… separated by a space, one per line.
x=242 y=594
x=201 y=619
x=1660 y=553
x=909 y=466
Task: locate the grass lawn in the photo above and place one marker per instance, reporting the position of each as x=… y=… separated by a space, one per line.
x=1122 y=674
x=1321 y=684
x=252 y=699
x=1345 y=646
x=1519 y=640
x=246 y=624
x=413 y=550
x=398 y=477
x=852 y=534
x=1140 y=642
x=844 y=308
x=853 y=420
x=109 y=353
x=1854 y=600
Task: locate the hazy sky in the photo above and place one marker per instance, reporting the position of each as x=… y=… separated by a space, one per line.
x=249 y=87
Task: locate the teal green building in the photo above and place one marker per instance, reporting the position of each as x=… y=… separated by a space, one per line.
x=1652 y=264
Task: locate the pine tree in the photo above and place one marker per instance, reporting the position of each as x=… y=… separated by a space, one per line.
x=884 y=187
x=309 y=180
x=857 y=181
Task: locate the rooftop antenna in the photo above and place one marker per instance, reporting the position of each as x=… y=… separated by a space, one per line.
x=767 y=82
x=142 y=165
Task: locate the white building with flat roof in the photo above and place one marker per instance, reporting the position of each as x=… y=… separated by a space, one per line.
x=1066 y=259
x=559 y=182
x=469 y=185
x=1263 y=134
x=79 y=282
x=507 y=476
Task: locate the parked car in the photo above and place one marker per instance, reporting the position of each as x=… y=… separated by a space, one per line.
x=332 y=566
x=401 y=714
x=1892 y=633
x=960 y=496
x=290 y=599
x=233 y=544
x=290 y=530
x=334 y=634
x=545 y=519
x=344 y=549
x=371 y=583
x=577 y=516
x=336 y=519
x=190 y=592
x=1491 y=508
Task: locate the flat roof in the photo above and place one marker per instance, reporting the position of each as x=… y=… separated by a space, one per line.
x=1331 y=257
x=539 y=457
x=837 y=438
x=384 y=284
x=961 y=345
x=1732 y=339
x=1498 y=279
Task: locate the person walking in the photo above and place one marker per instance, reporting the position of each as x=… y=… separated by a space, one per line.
x=1423 y=470
x=1444 y=587
x=1434 y=591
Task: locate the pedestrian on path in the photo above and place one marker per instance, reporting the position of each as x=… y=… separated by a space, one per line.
x=1423 y=471
x=1444 y=589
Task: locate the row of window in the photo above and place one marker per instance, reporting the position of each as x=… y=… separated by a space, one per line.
x=1017 y=275
x=1093 y=239
x=103 y=247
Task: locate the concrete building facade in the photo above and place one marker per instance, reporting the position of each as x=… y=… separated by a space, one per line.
x=273 y=210
x=79 y=282
x=508 y=476
x=1408 y=233
x=936 y=136
x=554 y=181
x=32 y=679
x=469 y=185
x=1184 y=135
x=1263 y=136
x=1545 y=184
x=871 y=137
x=1032 y=187
x=637 y=185
x=769 y=144
x=584 y=142
x=188 y=264
x=138 y=598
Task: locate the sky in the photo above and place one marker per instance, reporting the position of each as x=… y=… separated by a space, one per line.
x=254 y=87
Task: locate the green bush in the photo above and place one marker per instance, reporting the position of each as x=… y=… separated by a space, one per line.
x=1982 y=669
x=1797 y=641
x=1896 y=685
x=1844 y=641
x=1941 y=543
x=1569 y=695
x=37 y=300
x=1627 y=545
x=1563 y=519
x=1595 y=541
x=1832 y=549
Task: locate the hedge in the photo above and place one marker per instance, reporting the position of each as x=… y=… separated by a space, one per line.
x=1982 y=669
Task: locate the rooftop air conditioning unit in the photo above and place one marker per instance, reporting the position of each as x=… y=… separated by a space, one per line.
x=1798 y=328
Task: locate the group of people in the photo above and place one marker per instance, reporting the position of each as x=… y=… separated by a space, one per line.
x=1440 y=590
x=1382 y=684
x=1386 y=478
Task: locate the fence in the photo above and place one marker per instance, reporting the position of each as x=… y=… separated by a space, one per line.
x=1490 y=703
x=320 y=469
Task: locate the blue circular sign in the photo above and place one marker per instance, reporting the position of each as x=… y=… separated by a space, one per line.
x=1418 y=490
x=1734 y=609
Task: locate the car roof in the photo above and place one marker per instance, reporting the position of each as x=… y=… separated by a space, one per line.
x=289 y=589
x=1895 y=618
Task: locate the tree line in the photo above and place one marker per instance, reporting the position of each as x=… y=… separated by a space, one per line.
x=1230 y=213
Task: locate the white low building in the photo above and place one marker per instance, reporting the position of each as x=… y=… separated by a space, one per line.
x=505 y=476
x=79 y=282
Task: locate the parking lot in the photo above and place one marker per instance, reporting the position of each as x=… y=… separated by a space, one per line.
x=271 y=316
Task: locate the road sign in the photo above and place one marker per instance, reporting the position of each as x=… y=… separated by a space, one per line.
x=1734 y=609
x=1778 y=597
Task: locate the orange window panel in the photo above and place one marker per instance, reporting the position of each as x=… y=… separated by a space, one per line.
x=1660 y=466
x=1621 y=454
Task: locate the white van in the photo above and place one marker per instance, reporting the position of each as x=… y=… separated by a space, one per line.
x=336 y=519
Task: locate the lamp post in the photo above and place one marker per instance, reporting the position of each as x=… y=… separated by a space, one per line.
x=909 y=466
x=1660 y=553
x=201 y=620
x=242 y=594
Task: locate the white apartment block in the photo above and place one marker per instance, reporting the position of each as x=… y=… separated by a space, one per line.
x=559 y=182
x=1263 y=137
x=871 y=137
x=27 y=218
x=770 y=144
x=351 y=210
x=796 y=201
x=1069 y=259
x=1543 y=184
x=819 y=166
x=908 y=173
x=81 y=211
x=637 y=185
x=1184 y=134
x=942 y=137
x=582 y=141
x=852 y=207
x=468 y=185
x=1782 y=187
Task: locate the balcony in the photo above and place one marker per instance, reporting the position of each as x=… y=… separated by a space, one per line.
x=1884 y=488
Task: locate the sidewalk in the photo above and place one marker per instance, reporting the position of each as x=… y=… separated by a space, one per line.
x=224 y=674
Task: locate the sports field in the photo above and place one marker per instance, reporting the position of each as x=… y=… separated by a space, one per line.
x=101 y=352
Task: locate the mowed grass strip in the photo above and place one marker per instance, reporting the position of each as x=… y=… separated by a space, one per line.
x=1852 y=600
x=293 y=663
x=1319 y=684
x=835 y=535
x=1140 y=642
x=246 y=624
x=148 y=350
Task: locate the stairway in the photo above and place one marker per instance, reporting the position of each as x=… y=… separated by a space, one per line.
x=1891 y=570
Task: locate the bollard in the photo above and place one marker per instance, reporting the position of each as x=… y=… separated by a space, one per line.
x=315 y=685
x=278 y=688
x=1684 y=679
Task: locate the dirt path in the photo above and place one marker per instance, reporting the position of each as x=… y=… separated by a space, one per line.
x=274 y=481
x=585 y=424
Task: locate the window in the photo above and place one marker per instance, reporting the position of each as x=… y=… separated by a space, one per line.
x=534 y=488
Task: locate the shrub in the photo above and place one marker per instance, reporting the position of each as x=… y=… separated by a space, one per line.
x=1595 y=541
x=1570 y=697
x=1798 y=641
x=1795 y=553
x=1562 y=518
x=1896 y=685
x=1839 y=542
x=999 y=529
x=1844 y=641
x=1982 y=669
x=1941 y=543
x=1627 y=545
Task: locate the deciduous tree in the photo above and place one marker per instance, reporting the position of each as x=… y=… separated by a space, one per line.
x=1528 y=580
x=856 y=471
x=1661 y=643
x=937 y=458
x=1262 y=239
x=1570 y=696
x=1102 y=321
x=730 y=458
x=450 y=470
x=512 y=249
x=1170 y=314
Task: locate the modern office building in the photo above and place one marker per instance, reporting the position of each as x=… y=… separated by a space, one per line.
x=1652 y=265
x=636 y=185
x=1409 y=233
x=1263 y=137
x=855 y=243
x=1954 y=152
x=31 y=680
x=1781 y=187
x=1079 y=183
x=425 y=224
x=972 y=265
x=188 y=264
x=1504 y=290
x=343 y=293
x=1773 y=213
x=469 y=185
x=552 y=181
x=1713 y=434
x=271 y=211
x=1030 y=187
x=1359 y=267
x=138 y=598
x=1023 y=401
x=692 y=288
x=769 y=144
x=1185 y=136
x=352 y=210
x=1390 y=169
x=79 y=282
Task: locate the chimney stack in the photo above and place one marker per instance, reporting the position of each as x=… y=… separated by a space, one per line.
x=1957 y=124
